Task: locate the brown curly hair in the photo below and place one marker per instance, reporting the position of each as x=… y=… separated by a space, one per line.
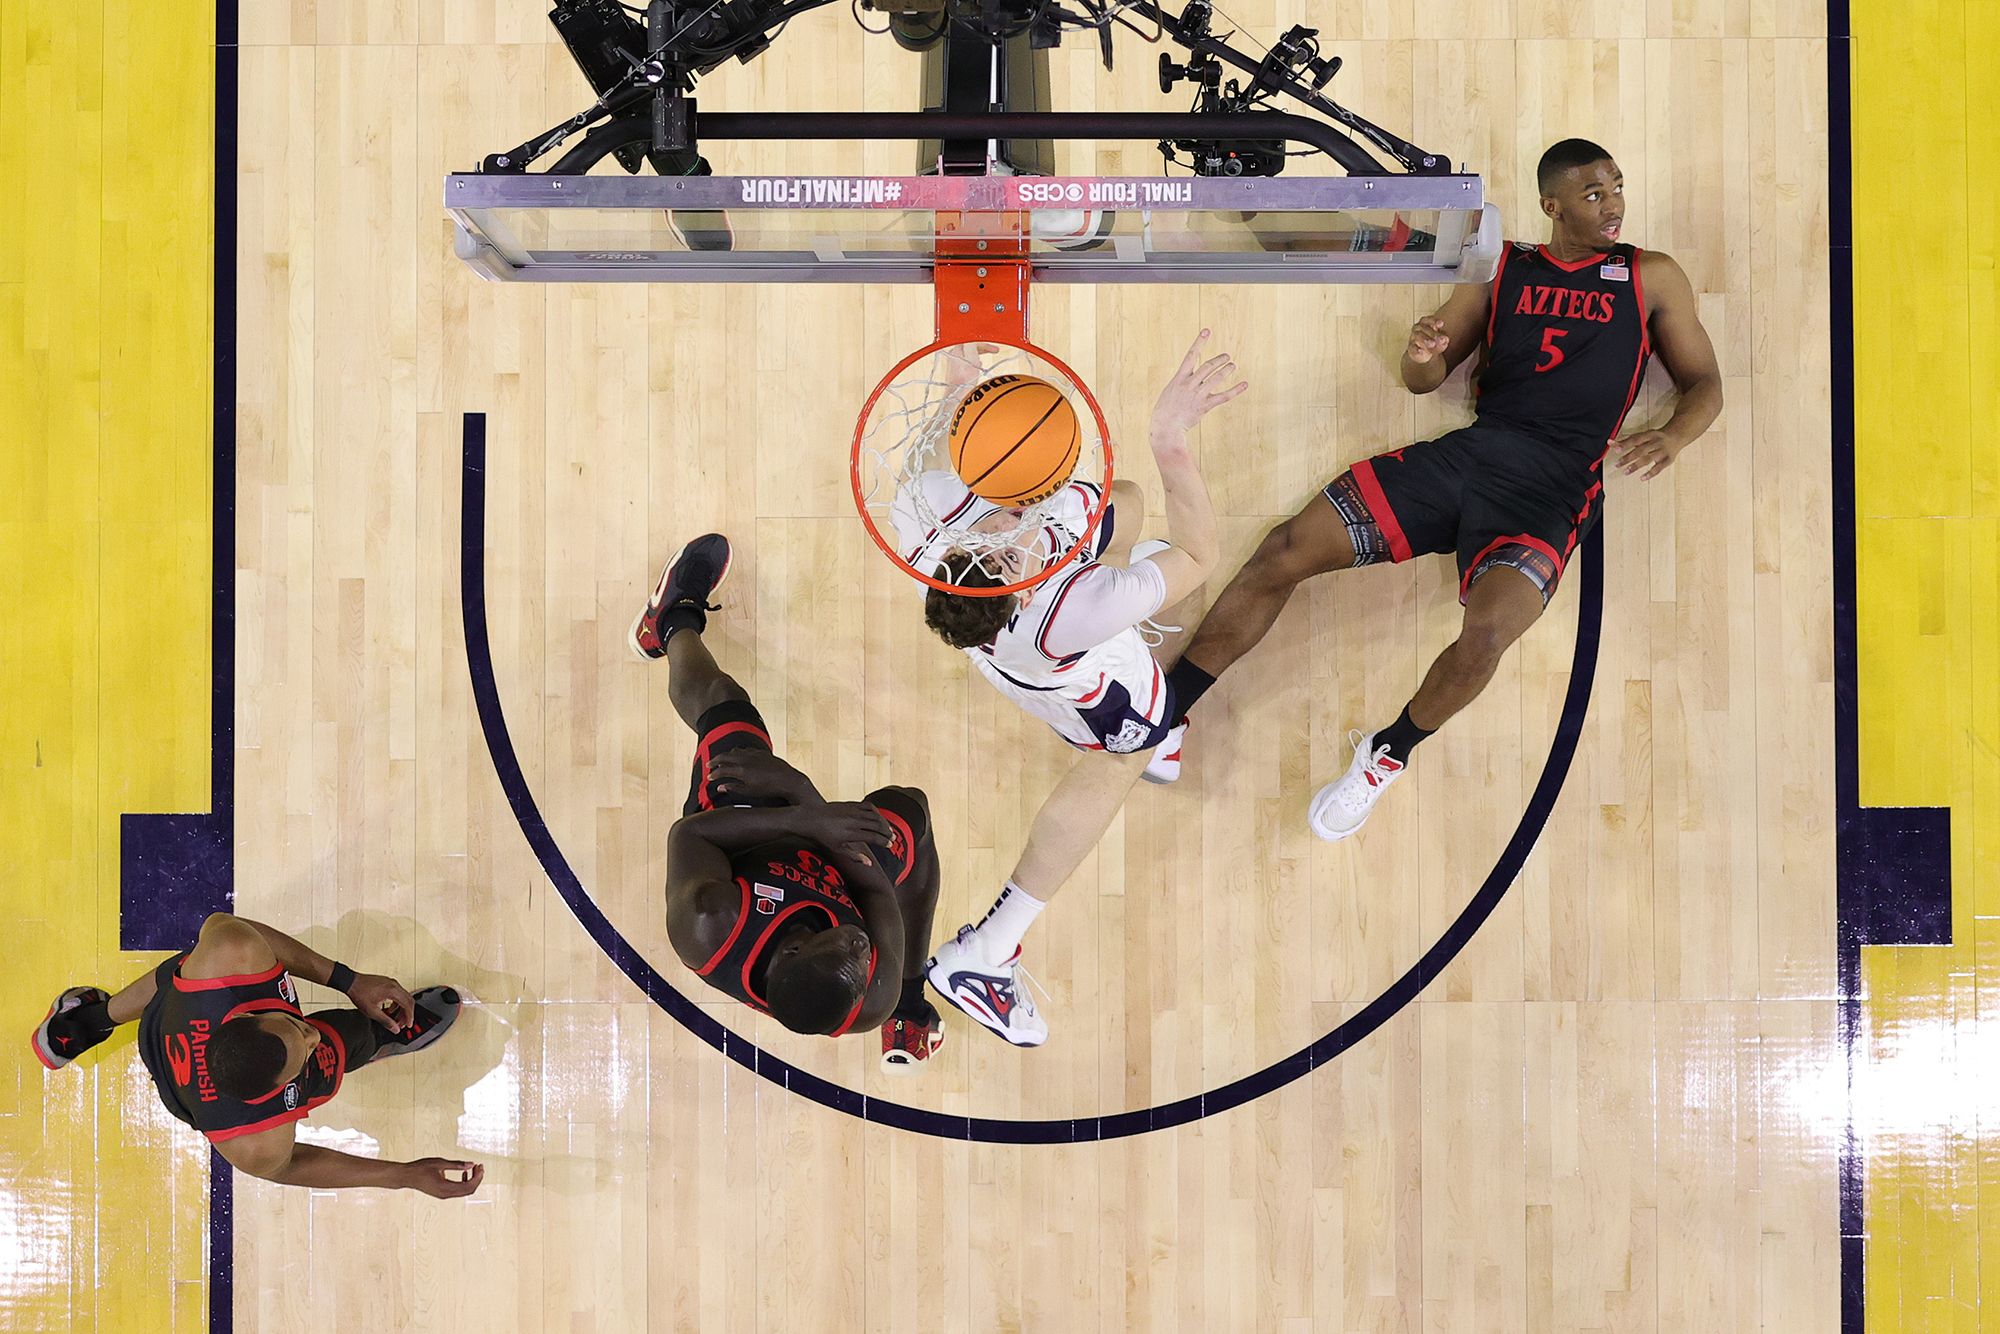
x=967 y=622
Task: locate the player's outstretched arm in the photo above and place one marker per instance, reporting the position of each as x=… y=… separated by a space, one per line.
x=1685 y=350
x=1441 y=340
x=274 y=1155
x=1197 y=388
x=230 y=946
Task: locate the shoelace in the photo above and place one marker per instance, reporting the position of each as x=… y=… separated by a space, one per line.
x=1373 y=767
x=1028 y=977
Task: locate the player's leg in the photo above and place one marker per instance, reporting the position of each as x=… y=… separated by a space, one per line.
x=680 y=603
x=84 y=1016
x=1392 y=507
x=979 y=969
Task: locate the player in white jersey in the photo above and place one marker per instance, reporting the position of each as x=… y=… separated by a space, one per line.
x=1071 y=652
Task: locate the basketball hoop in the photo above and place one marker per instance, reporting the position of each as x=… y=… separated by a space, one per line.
x=911 y=499
x=924 y=518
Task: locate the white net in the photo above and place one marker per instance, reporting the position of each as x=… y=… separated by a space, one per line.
x=926 y=518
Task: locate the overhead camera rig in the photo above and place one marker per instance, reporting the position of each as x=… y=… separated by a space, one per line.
x=986 y=90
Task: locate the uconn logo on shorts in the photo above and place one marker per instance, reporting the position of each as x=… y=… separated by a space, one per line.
x=1132 y=736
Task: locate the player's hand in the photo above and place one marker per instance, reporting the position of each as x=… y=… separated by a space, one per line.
x=1428 y=340
x=960 y=369
x=850 y=828
x=1650 y=451
x=760 y=774
x=1196 y=390
x=384 y=1000
x=444 y=1178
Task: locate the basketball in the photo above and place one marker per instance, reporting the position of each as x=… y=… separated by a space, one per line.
x=1015 y=439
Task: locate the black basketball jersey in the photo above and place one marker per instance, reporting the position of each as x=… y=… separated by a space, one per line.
x=1566 y=346
x=173 y=1042
x=778 y=882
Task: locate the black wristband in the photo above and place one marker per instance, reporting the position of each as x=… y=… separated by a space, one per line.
x=340 y=977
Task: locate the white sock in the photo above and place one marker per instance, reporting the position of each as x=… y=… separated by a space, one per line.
x=999 y=932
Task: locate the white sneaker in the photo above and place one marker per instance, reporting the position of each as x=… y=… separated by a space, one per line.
x=1165 y=766
x=1342 y=806
x=988 y=993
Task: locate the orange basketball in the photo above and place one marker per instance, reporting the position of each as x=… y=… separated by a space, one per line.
x=1015 y=439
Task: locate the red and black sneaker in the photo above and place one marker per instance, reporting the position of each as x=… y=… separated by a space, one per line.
x=59 y=1038
x=692 y=575
x=437 y=1010
x=908 y=1043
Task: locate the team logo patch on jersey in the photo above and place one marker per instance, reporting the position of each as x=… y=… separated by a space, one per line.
x=291 y=1097
x=1130 y=737
x=286 y=991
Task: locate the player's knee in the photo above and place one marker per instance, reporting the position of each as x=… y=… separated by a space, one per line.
x=1483 y=642
x=1285 y=556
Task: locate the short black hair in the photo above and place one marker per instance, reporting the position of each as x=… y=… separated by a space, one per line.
x=966 y=622
x=245 y=1059
x=816 y=991
x=1561 y=157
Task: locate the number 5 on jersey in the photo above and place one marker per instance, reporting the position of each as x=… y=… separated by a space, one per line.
x=1550 y=350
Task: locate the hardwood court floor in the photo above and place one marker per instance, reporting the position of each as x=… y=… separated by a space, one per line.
x=1584 y=1123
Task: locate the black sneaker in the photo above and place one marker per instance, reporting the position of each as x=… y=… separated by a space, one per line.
x=690 y=579
x=60 y=1038
x=437 y=1011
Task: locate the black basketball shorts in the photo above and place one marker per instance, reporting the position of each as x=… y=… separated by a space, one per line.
x=736 y=725
x=1485 y=494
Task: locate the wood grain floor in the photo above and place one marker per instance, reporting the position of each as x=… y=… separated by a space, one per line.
x=1590 y=1121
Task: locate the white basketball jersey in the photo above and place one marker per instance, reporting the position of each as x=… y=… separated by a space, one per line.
x=1073 y=656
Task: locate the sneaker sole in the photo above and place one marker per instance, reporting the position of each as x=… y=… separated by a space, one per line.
x=660 y=591
x=978 y=1014
x=450 y=1020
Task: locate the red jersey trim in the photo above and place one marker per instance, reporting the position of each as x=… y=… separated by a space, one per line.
x=709 y=739
x=1493 y=297
x=266 y=1003
x=757 y=950
x=1597 y=258
x=1645 y=353
x=855 y=1013
x=217 y=983
x=1378 y=509
x=327 y=1033
x=742 y=916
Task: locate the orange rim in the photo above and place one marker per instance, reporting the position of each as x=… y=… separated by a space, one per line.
x=889 y=550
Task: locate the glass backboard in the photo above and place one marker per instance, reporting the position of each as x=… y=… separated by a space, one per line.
x=1390 y=229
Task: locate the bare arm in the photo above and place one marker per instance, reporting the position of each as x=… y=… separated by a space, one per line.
x=274 y=1155
x=1194 y=392
x=1685 y=350
x=882 y=914
x=230 y=946
x=700 y=895
x=1441 y=340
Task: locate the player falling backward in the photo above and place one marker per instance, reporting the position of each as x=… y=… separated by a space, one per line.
x=221 y=1033
x=1070 y=652
x=1565 y=330
x=814 y=912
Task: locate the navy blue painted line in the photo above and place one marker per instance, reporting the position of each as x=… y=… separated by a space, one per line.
x=507 y=766
x=1893 y=864
x=220 y=883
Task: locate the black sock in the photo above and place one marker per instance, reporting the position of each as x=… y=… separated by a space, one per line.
x=1401 y=737
x=683 y=616
x=1189 y=684
x=92 y=1020
x=914 y=1005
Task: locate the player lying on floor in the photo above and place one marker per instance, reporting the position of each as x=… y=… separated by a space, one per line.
x=221 y=1033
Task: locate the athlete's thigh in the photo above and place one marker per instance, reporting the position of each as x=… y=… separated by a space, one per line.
x=1404 y=503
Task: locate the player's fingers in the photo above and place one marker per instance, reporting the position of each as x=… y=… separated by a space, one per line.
x=1217 y=400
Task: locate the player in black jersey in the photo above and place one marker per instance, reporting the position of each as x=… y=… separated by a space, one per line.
x=816 y=913
x=221 y=1033
x=1565 y=330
